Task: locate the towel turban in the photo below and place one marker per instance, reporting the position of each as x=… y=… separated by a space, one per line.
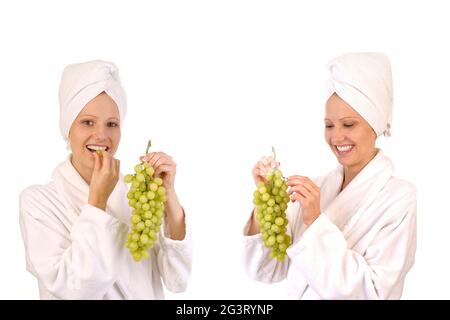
x=364 y=81
x=82 y=82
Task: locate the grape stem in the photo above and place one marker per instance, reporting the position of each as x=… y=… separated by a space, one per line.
x=275 y=159
x=149 y=144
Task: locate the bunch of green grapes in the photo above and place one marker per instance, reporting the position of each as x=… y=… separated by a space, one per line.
x=271 y=200
x=147 y=197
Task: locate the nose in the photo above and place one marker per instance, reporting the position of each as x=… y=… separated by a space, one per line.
x=100 y=133
x=337 y=135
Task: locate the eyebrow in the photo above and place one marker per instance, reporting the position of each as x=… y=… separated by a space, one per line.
x=91 y=115
x=343 y=118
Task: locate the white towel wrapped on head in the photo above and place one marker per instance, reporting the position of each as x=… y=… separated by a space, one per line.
x=82 y=82
x=364 y=81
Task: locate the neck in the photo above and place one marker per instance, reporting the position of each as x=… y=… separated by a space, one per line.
x=85 y=173
x=350 y=172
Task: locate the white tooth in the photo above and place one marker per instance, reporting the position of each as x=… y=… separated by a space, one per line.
x=97 y=147
x=344 y=148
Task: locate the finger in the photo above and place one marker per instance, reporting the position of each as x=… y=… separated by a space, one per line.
x=116 y=167
x=106 y=162
x=166 y=168
x=257 y=175
x=302 y=178
x=264 y=169
x=112 y=165
x=261 y=172
x=301 y=190
x=263 y=160
x=164 y=154
x=163 y=160
x=154 y=158
x=306 y=185
x=260 y=167
x=97 y=162
x=297 y=197
x=294 y=180
x=149 y=156
x=310 y=184
x=163 y=163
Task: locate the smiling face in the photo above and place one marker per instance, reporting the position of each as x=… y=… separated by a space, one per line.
x=349 y=136
x=97 y=127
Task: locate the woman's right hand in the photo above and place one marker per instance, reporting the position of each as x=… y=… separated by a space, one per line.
x=262 y=167
x=104 y=179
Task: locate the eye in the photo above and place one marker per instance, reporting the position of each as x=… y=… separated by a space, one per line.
x=88 y=122
x=348 y=125
x=328 y=126
x=113 y=124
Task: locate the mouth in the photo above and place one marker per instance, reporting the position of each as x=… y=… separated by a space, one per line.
x=344 y=149
x=96 y=147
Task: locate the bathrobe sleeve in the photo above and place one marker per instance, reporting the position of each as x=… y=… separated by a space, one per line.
x=257 y=261
x=334 y=271
x=175 y=259
x=76 y=264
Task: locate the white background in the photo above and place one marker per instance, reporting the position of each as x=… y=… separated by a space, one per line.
x=215 y=84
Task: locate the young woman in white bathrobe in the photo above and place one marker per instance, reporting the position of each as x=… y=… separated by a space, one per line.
x=353 y=230
x=75 y=227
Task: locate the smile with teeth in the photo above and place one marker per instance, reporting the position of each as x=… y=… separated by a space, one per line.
x=344 y=148
x=94 y=147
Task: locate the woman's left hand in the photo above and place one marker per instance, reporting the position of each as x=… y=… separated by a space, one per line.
x=164 y=166
x=303 y=190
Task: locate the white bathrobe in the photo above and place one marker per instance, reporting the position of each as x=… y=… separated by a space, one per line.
x=360 y=247
x=76 y=251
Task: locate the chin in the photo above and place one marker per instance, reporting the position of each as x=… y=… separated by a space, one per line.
x=88 y=162
x=344 y=161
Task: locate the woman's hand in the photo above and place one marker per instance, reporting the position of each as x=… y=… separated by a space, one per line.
x=103 y=180
x=262 y=167
x=164 y=166
x=303 y=190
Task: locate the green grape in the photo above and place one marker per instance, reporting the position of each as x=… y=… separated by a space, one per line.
x=161 y=191
x=138 y=168
x=146 y=196
x=150 y=171
x=134 y=237
x=271 y=200
x=133 y=246
x=265 y=197
x=143 y=199
x=137 y=256
x=135 y=218
x=279 y=221
x=153 y=186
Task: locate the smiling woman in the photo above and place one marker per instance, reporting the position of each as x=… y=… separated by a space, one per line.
x=353 y=230
x=75 y=227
